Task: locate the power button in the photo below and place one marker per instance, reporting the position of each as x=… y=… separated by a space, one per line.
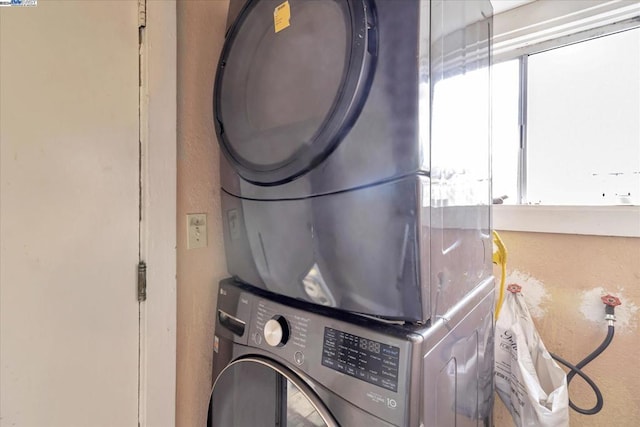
x=257 y=338
x=298 y=357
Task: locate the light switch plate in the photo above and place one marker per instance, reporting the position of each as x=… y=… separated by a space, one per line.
x=196 y=231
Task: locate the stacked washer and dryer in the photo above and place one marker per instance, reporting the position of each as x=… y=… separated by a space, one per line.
x=356 y=207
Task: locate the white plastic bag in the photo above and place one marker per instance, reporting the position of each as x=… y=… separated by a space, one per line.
x=530 y=383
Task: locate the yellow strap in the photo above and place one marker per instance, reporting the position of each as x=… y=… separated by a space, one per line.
x=500 y=258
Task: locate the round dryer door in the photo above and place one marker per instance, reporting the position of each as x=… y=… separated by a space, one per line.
x=291 y=81
x=259 y=392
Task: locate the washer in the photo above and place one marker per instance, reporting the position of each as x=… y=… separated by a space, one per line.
x=282 y=362
x=355 y=141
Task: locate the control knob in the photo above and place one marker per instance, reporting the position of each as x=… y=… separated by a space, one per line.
x=276 y=331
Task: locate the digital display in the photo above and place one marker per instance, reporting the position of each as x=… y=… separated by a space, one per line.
x=367 y=360
x=372 y=346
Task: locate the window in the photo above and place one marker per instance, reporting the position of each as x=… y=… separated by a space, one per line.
x=566 y=118
x=566 y=124
x=583 y=123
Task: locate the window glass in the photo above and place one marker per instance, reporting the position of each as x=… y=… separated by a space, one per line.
x=459 y=140
x=505 y=130
x=583 y=123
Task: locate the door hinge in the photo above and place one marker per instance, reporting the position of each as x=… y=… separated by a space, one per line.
x=142 y=13
x=142 y=281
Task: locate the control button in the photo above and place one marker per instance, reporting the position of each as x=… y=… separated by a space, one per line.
x=328 y=362
x=298 y=357
x=257 y=338
x=276 y=331
x=374 y=379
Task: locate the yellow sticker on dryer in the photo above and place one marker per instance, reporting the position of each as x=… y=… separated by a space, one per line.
x=281 y=17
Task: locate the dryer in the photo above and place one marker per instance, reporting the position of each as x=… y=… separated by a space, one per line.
x=283 y=362
x=355 y=141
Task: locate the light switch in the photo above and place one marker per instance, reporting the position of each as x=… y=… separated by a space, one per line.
x=196 y=231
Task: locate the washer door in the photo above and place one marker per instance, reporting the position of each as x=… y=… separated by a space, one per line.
x=259 y=392
x=291 y=81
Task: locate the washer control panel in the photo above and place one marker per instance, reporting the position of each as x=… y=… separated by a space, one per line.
x=358 y=357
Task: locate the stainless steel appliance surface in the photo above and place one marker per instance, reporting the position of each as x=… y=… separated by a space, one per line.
x=355 y=140
x=283 y=362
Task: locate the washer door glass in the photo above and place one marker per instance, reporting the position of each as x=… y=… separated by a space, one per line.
x=260 y=392
x=288 y=83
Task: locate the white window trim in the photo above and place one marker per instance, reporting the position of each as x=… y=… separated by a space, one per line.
x=543 y=24
x=623 y=221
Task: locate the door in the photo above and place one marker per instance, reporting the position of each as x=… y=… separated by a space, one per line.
x=291 y=81
x=69 y=210
x=259 y=392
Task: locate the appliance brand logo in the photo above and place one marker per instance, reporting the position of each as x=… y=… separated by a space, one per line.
x=18 y=3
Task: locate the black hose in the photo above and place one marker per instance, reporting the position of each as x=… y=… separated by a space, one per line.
x=577 y=370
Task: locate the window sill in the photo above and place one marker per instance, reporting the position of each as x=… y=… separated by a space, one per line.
x=589 y=220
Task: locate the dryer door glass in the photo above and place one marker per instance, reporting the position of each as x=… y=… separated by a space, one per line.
x=260 y=392
x=288 y=84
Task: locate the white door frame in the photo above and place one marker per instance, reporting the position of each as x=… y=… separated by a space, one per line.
x=158 y=104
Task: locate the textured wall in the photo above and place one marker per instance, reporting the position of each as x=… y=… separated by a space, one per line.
x=563 y=277
x=201 y=27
